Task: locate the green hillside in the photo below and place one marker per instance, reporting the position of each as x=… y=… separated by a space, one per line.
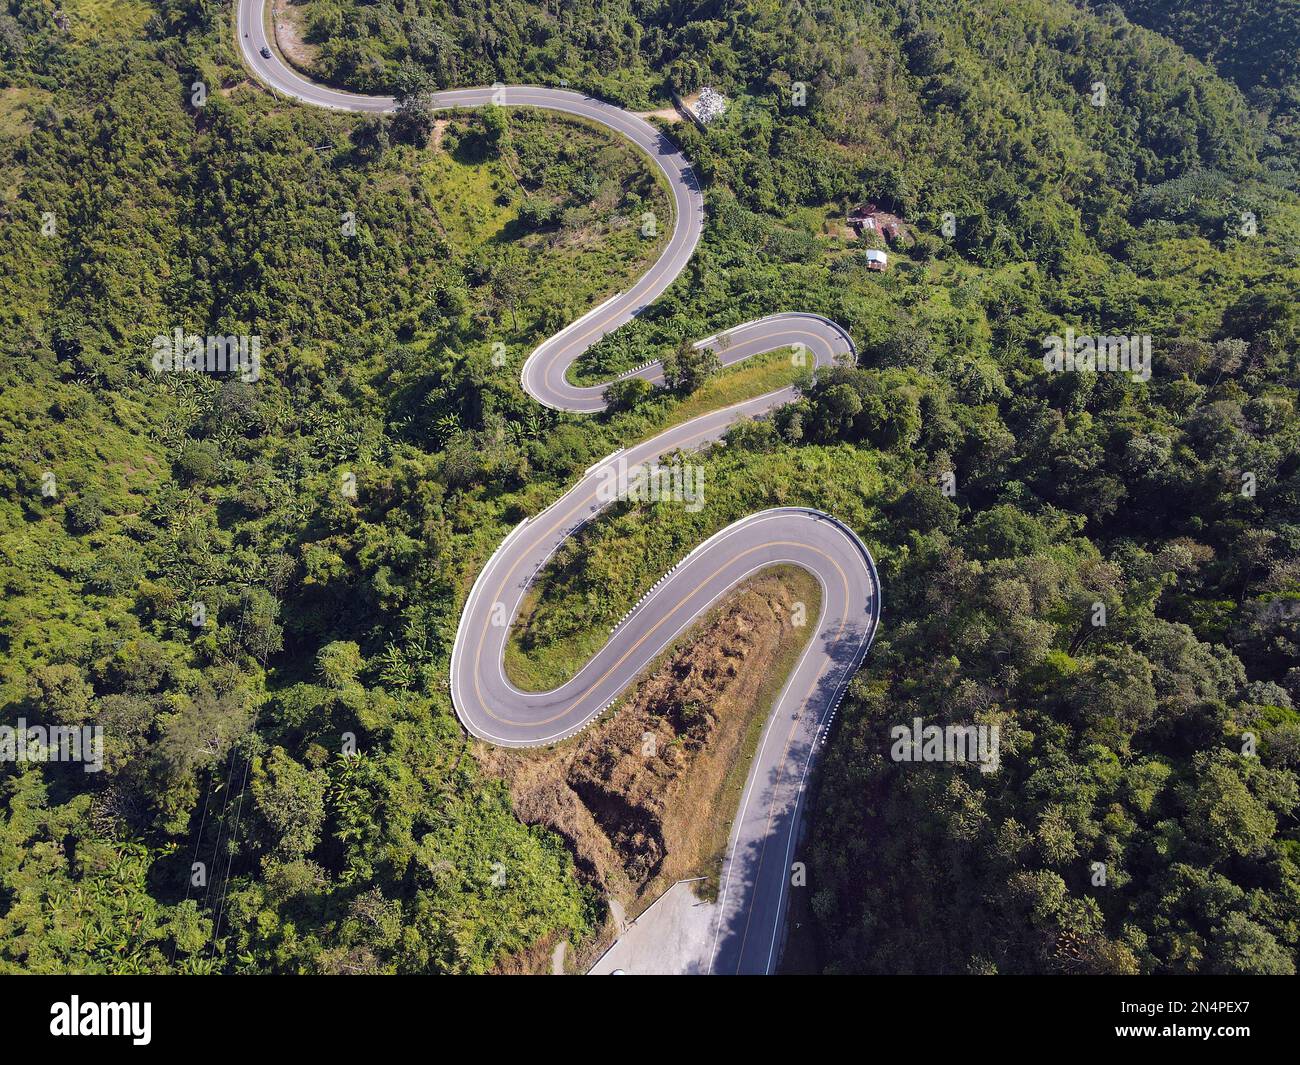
x=330 y=515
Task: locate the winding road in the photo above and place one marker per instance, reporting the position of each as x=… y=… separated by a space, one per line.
x=752 y=900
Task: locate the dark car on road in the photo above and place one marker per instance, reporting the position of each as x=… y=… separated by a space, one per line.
x=266 y=52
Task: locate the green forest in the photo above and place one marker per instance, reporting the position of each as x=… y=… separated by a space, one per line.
x=254 y=585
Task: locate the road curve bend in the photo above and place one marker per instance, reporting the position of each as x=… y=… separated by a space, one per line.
x=751 y=906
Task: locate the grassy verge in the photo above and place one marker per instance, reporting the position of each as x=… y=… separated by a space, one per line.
x=748 y=380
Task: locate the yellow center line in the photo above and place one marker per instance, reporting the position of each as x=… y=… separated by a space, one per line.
x=652 y=278
x=478 y=650
x=771 y=806
x=651 y=631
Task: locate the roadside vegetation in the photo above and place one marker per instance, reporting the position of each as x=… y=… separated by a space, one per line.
x=330 y=516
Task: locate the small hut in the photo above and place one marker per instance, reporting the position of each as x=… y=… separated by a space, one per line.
x=862 y=219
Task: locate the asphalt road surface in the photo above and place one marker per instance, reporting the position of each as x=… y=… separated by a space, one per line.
x=752 y=900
